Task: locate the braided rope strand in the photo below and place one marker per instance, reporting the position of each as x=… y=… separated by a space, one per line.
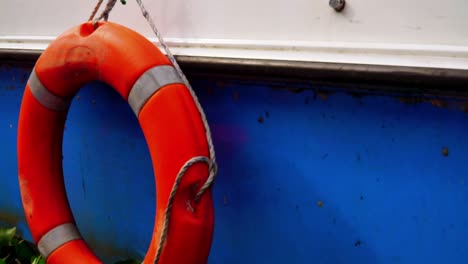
x=211 y=161
x=167 y=213
x=213 y=168
x=105 y=14
x=184 y=78
x=96 y=8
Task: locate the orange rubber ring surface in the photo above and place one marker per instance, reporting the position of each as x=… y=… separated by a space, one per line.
x=170 y=122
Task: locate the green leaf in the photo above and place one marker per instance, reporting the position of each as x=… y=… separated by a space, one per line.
x=14 y=241
x=6 y=235
x=24 y=252
x=2 y=261
x=37 y=260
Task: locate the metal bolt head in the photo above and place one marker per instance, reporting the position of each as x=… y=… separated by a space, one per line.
x=338 y=5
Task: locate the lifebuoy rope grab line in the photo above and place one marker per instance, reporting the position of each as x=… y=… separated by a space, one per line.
x=211 y=161
x=76 y=58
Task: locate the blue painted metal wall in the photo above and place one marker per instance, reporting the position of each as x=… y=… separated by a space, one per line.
x=303 y=177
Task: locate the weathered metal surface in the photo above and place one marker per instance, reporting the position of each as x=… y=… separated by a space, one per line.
x=307 y=173
x=413 y=80
x=422 y=33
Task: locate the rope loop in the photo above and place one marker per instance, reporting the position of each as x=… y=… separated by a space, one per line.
x=167 y=214
x=210 y=161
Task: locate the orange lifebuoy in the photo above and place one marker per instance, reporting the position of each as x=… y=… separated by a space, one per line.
x=168 y=116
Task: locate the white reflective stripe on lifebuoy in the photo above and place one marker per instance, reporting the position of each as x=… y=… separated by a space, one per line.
x=44 y=97
x=57 y=237
x=149 y=83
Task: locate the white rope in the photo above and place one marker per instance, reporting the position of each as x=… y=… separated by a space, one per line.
x=213 y=169
x=96 y=8
x=105 y=13
x=211 y=161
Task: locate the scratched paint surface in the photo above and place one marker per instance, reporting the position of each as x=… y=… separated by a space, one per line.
x=304 y=177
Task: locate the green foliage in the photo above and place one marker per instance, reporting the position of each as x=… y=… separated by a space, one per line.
x=15 y=250
x=37 y=260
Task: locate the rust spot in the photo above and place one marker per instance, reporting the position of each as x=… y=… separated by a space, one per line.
x=320 y=203
x=464 y=107
x=209 y=91
x=445 y=151
x=261 y=119
x=236 y=96
x=225 y=200
x=439 y=103
x=78 y=97
x=323 y=95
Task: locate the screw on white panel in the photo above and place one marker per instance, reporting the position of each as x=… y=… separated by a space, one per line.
x=338 y=5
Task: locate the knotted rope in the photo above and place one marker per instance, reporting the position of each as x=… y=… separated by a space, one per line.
x=105 y=13
x=211 y=161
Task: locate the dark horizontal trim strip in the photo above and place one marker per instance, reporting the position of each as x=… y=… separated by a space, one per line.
x=380 y=77
x=21 y=56
x=360 y=76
